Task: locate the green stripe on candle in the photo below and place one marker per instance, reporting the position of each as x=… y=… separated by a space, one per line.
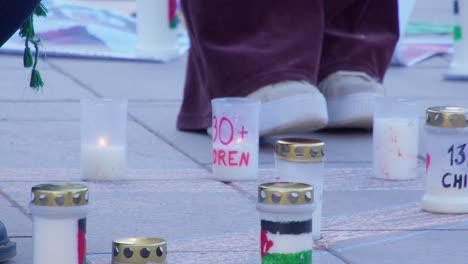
x=303 y=257
x=457 y=33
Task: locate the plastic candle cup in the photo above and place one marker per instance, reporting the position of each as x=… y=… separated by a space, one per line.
x=139 y=250
x=286 y=222
x=103 y=139
x=395 y=138
x=235 y=138
x=302 y=160
x=446 y=189
x=59 y=223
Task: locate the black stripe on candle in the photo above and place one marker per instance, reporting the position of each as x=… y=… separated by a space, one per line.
x=287 y=228
x=82 y=224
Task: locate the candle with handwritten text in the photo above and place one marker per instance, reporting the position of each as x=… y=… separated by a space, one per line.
x=446 y=188
x=235 y=138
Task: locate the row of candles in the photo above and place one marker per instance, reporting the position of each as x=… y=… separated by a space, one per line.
x=235 y=136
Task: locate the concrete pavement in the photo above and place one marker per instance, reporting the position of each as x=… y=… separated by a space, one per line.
x=169 y=192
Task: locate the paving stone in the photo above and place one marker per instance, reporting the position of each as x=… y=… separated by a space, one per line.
x=132 y=80
x=58 y=86
x=57 y=144
x=411 y=248
x=46 y=110
x=161 y=118
x=74 y=174
x=16 y=222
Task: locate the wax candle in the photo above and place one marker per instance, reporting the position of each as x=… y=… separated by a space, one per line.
x=302 y=160
x=59 y=223
x=235 y=138
x=395 y=144
x=103 y=139
x=286 y=222
x=139 y=250
x=395 y=138
x=102 y=162
x=446 y=189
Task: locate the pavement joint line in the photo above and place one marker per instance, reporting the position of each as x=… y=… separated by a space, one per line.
x=338 y=255
x=15 y=204
x=394 y=238
x=74 y=79
x=242 y=191
x=164 y=139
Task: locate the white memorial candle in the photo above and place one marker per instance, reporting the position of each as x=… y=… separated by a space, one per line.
x=155 y=36
x=59 y=223
x=302 y=160
x=61 y=233
x=103 y=161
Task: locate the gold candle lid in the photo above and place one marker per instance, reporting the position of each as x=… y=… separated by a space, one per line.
x=447 y=116
x=139 y=250
x=59 y=195
x=300 y=149
x=285 y=193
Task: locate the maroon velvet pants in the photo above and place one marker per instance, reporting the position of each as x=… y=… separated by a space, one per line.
x=239 y=46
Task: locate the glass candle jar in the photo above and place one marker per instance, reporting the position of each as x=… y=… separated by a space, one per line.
x=395 y=138
x=139 y=250
x=103 y=139
x=446 y=188
x=302 y=160
x=59 y=223
x=286 y=222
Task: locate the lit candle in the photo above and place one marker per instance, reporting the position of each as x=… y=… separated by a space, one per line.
x=103 y=139
x=103 y=161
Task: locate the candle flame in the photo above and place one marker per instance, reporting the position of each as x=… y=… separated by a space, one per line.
x=102 y=142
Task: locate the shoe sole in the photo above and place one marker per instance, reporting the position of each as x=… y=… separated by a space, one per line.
x=293 y=114
x=7 y=251
x=351 y=111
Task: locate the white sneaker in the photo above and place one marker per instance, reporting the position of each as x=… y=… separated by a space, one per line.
x=350 y=98
x=290 y=107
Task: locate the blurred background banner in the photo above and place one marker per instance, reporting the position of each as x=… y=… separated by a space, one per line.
x=93 y=29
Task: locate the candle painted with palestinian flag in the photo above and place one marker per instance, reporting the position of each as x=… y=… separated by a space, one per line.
x=59 y=223
x=286 y=222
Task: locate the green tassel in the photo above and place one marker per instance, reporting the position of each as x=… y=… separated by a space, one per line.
x=40 y=10
x=36 y=80
x=27 y=30
x=27 y=57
